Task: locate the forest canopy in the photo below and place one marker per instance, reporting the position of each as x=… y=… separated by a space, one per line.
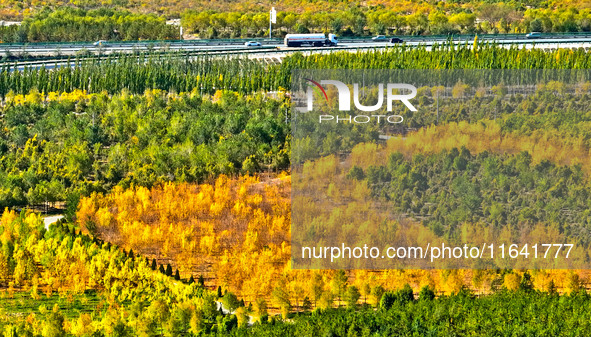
x=70 y=25
x=170 y=169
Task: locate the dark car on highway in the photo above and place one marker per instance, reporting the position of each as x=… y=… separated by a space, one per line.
x=396 y=40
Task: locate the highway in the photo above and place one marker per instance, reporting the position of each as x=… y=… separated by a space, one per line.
x=271 y=50
x=237 y=45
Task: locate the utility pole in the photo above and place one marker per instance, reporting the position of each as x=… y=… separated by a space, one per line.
x=437 y=99
x=272 y=19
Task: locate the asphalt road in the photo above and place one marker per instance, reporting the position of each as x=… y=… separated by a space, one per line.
x=272 y=51
x=236 y=46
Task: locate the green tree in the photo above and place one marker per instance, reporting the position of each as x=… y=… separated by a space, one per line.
x=281 y=298
x=426 y=294
x=230 y=301
x=53 y=326
x=339 y=284
x=352 y=296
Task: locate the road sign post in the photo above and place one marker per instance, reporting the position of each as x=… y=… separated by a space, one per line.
x=272 y=19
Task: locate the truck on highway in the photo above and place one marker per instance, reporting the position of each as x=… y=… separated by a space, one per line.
x=315 y=40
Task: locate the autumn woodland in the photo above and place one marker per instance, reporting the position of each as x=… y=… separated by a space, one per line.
x=176 y=175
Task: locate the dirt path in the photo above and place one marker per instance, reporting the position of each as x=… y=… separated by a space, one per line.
x=51 y=219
